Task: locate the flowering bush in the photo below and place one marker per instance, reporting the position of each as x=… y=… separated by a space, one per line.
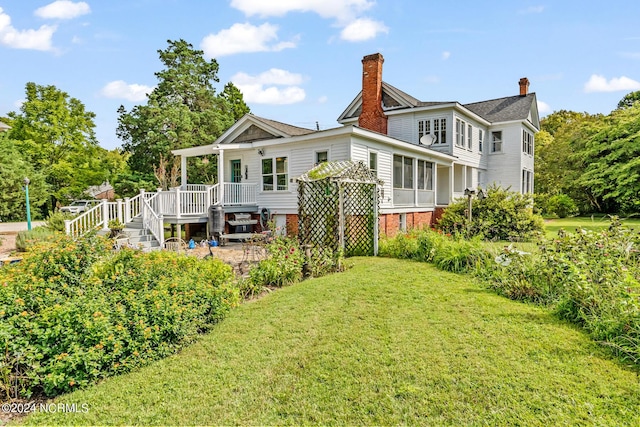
x=590 y=278
x=71 y=312
x=282 y=266
x=287 y=263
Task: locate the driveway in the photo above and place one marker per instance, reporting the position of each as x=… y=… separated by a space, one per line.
x=14 y=227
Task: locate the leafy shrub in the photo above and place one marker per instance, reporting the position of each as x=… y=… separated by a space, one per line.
x=287 y=263
x=501 y=215
x=446 y=252
x=72 y=313
x=283 y=265
x=557 y=205
x=562 y=205
x=459 y=255
x=55 y=221
x=27 y=238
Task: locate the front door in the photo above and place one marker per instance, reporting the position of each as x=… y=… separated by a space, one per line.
x=236 y=171
x=233 y=193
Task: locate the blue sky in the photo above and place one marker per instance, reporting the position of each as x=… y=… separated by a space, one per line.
x=299 y=61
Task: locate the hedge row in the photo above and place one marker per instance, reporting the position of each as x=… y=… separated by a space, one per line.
x=73 y=312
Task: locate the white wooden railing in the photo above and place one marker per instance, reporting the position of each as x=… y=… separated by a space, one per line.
x=239 y=193
x=151 y=220
x=193 y=201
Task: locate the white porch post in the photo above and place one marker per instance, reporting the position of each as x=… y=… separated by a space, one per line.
x=177 y=202
x=105 y=214
x=127 y=210
x=221 y=176
x=183 y=172
x=452 y=183
x=119 y=211
x=434 y=177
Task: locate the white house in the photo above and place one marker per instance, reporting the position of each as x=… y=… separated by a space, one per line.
x=426 y=153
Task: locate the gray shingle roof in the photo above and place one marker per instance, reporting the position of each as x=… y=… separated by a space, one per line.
x=285 y=128
x=503 y=109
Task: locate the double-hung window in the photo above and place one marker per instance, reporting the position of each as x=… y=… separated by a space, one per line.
x=496 y=141
x=527 y=142
x=275 y=174
x=469 y=137
x=480 y=138
x=435 y=127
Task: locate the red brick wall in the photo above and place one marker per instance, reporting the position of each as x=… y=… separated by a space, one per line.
x=390 y=223
x=292 y=224
x=372 y=117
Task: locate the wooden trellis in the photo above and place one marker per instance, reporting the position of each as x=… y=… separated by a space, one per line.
x=338 y=204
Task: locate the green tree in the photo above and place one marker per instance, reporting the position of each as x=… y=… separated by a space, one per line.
x=558 y=163
x=629 y=99
x=56 y=135
x=610 y=161
x=182 y=111
x=14 y=168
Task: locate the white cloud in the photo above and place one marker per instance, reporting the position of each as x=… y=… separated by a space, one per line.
x=244 y=38
x=338 y=9
x=531 y=9
x=263 y=88
x=39 y=39
x=598 y=83
x=362 y=29
x=19 y=102
x=446 y=55
x=630 y=55
x=63 y=9
x=323 y=99
x=119 y=89
x=346 y=13
x=543 y=107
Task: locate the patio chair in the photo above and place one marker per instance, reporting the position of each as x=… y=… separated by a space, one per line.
x=175 y=244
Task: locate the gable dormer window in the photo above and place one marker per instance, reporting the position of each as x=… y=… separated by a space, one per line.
x=435 y=127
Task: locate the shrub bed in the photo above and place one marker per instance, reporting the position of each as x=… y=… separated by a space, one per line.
x=288 y=263
x=72 y=312
x=447 y=252
x=589 y=278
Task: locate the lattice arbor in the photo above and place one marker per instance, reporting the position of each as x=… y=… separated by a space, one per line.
x=338 y=205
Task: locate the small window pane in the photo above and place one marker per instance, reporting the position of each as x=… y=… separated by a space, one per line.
x=421 y=173
x=322 y=156
x=267 y=166
x=282 y=182
x=408 y=172
x=397 y=171
x=281 y=165
x=267 y=183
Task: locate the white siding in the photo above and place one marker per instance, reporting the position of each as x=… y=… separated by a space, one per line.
x=505 y=168
x=403 y=128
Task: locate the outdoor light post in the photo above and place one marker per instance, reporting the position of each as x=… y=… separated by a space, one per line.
x=469 y=193
x=26 y=191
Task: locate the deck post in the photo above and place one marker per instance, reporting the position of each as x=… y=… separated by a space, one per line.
x=183 y=172
x=120 y=212
x=177 y=202
x=105 y=214
x=221 y=176
x=127 y=210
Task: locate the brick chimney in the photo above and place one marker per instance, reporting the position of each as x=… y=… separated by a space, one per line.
x=372 y=117
x=524 y=86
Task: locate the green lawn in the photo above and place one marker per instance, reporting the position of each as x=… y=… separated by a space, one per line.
x=388 y=342
x=552 y=226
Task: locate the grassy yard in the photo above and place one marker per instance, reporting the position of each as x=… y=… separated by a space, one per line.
x=552 y=226
x=388 y=342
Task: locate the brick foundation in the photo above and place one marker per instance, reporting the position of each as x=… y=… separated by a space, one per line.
x=291 y=224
